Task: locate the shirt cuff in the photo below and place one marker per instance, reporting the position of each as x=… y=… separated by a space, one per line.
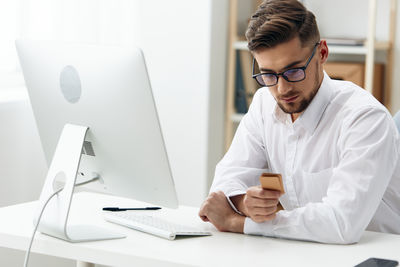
x=253 y=228
x=232 y=194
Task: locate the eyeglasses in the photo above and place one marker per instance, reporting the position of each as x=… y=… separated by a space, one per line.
x=290 y=75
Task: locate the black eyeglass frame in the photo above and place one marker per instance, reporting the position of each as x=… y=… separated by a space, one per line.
x=254 y=76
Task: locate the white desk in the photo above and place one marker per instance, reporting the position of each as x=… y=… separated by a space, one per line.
x=221 y=249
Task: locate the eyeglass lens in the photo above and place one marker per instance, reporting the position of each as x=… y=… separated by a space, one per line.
x=292 y=75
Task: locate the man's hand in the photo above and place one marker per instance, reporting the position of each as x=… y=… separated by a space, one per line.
x=259 y=204
x=217 y=210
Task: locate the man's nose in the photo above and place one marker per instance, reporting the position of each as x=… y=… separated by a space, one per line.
x=283 y=86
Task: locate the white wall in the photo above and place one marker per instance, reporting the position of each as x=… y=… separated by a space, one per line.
x=217 y=84
x=345 y=18
x=184 y=43
x=176 y=46
x=22 y=164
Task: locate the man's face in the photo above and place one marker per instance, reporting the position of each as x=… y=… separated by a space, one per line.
x=293 y=97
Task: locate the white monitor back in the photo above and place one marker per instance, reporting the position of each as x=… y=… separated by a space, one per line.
x=109 y=91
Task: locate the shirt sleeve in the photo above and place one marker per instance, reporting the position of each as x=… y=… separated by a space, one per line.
x=368 y=151
x=246 y=158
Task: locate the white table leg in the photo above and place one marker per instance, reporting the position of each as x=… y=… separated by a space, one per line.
x=84 y=264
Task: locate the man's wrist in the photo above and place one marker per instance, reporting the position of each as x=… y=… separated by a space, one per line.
x=237 y=224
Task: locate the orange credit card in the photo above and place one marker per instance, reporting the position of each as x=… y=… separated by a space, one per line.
x=272 y=181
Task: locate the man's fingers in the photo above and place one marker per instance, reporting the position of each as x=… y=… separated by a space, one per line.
x=204 y=218
x=259 y=192
x=263 y=211
x=253 y=202
x=202 y=212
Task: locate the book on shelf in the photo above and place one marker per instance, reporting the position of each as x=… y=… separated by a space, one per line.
x=240 y=91
x=245 y=85
x=345 y=41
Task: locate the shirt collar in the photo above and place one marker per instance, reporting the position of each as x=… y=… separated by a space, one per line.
x=310 y=118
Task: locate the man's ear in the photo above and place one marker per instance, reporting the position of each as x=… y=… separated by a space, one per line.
x=324 y=51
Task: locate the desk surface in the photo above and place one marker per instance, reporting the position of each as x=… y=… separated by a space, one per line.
x=221 y=249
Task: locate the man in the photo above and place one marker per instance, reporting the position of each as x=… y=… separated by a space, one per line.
x=336 y=146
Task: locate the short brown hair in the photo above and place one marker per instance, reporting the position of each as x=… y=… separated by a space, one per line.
x=279 y=21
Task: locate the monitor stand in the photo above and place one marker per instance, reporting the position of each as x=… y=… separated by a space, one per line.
x=65 y=165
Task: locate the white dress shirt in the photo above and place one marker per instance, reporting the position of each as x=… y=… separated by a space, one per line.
x=339 y=162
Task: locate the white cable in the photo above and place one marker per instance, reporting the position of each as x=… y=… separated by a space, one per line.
x=40 y=216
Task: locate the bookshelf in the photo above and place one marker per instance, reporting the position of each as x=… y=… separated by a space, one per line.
x=367 y=51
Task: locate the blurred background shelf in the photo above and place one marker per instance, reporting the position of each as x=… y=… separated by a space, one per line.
x=336 y=49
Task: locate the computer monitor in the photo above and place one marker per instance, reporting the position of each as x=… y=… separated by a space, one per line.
x=96 y=100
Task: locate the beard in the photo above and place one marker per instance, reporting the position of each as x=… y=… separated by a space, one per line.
x=296 y=107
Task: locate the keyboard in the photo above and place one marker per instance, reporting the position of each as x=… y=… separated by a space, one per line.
x=152 y=225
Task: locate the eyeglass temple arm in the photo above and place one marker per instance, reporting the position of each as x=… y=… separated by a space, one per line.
x=252 y=69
